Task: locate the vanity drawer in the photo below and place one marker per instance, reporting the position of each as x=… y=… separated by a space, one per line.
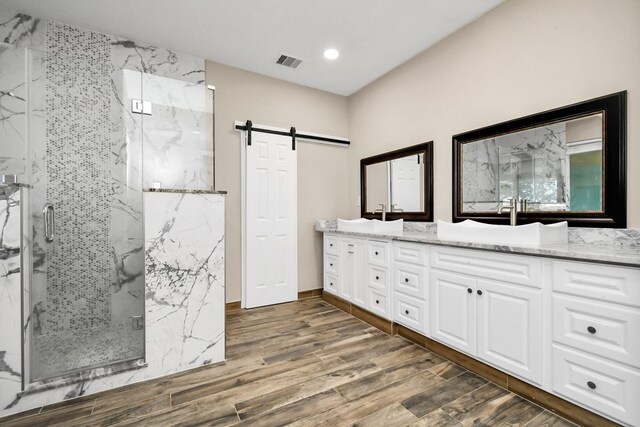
x=410 y=312
x=597 y=384
x=378 y=302
x=608 y=330
x=331 y=283
x=410 y=279
x=516 y=269
x=331 y=244
x=378 y=277
x=602 y=282
x=331 y=264
x=378 y=253
x=413 y=253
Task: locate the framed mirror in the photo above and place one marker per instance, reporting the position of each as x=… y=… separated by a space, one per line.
x=567 y=164
x=401 y=180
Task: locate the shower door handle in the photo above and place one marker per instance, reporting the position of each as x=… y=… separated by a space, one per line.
x=49 y=222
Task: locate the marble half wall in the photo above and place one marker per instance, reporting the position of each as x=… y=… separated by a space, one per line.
x=185 y=278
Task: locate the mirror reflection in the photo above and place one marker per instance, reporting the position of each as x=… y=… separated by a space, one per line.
x=550 y=168
x=396 y=183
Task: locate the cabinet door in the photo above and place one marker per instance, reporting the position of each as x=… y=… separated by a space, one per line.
x=359 y=274
x=453 y=310
x=510 y=328
x=352 y=280
x=347 y=267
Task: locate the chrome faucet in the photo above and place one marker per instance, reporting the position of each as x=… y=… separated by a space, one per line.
x=383 y=209
x=513 y=211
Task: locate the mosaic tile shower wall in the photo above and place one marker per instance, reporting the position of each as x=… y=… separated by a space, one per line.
x=78 y=148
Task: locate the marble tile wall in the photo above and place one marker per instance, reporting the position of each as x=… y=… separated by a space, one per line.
x=10 y=335
x=13 y=109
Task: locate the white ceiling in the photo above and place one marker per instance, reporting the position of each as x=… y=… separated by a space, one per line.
x=373 y=36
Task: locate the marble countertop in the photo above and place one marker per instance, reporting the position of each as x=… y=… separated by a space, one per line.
x=603 y=253
x=180 y=190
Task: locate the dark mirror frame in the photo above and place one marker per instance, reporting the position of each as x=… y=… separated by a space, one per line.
x=614 y=141
x=427 y=150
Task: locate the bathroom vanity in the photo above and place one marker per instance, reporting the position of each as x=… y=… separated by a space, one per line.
x=564 y=318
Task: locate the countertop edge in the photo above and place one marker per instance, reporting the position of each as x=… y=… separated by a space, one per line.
x=183 y=191
x=567 y=251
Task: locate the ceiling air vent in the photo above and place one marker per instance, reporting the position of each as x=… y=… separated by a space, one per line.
x=289 y=61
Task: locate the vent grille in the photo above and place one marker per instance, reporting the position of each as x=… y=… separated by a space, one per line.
x=289 y=61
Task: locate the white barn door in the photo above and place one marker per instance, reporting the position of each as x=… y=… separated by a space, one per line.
x=271 y=226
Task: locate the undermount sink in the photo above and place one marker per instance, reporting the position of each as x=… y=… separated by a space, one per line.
x=363 y=225
x=535 y=234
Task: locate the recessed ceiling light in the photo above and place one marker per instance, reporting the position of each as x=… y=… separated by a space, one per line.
x=331 y=53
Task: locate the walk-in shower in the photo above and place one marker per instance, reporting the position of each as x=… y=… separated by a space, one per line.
x=97 y=291
x=74 y=128
x=83 y=261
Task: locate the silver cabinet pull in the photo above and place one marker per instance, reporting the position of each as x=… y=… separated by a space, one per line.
x=49 y=222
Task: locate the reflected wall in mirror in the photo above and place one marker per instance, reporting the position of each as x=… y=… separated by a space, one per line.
x=564 y=164
x=401 y=181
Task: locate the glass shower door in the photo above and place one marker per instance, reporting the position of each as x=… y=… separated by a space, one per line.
x=86 y=300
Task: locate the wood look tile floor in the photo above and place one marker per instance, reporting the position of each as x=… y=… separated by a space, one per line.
x=306 y=363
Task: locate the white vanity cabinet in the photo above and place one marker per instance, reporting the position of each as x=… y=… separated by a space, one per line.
x=571 y=328
x=474 y=311
x=357 y=270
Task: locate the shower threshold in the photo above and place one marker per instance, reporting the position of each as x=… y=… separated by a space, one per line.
x=83 y=376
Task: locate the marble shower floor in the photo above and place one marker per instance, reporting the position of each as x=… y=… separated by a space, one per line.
x=306 y=363
x=71 y=351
